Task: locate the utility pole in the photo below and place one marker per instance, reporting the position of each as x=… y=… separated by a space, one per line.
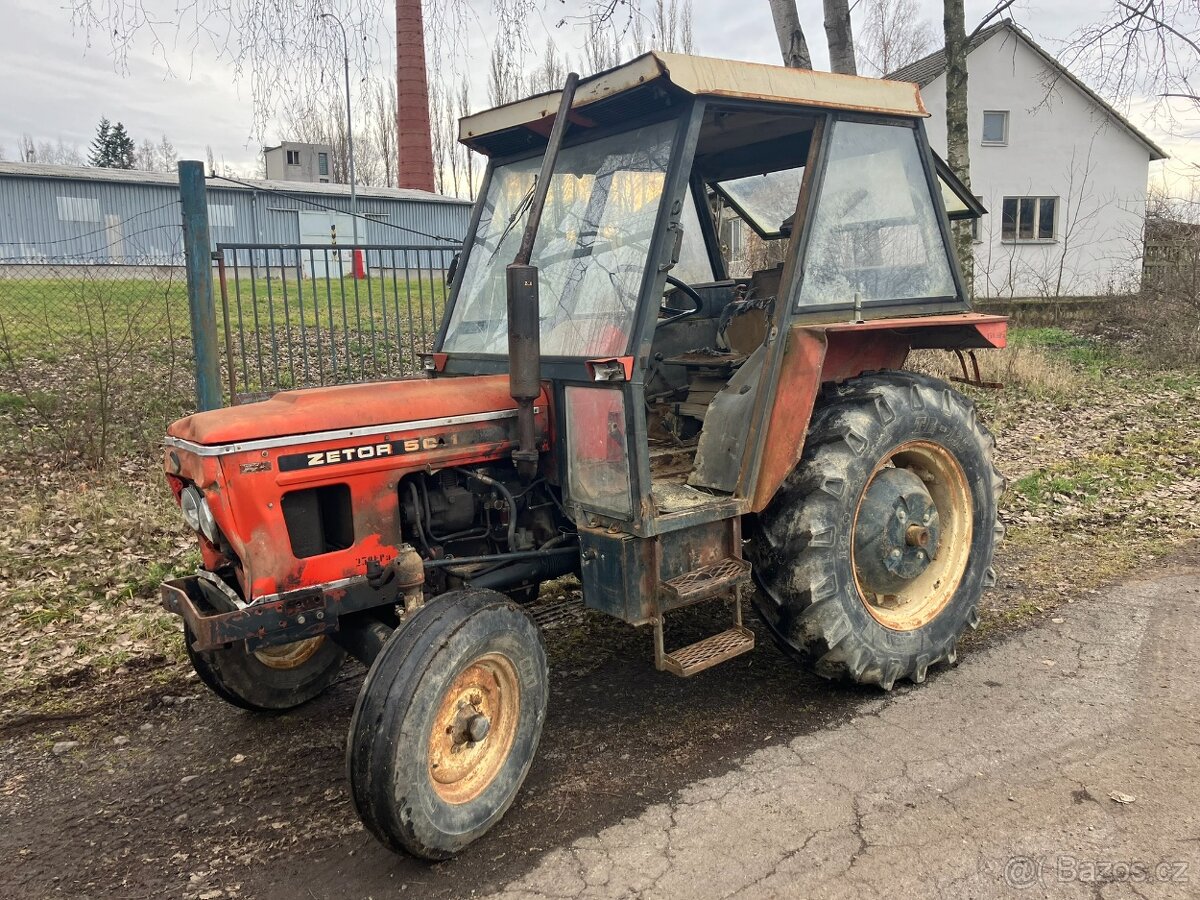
x=349 y=128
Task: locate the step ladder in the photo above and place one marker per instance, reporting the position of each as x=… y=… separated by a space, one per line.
x=724 y=578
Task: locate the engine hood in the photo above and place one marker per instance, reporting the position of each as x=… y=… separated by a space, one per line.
x=346 y=406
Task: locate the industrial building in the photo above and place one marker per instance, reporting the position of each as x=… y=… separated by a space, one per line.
x=75 y=215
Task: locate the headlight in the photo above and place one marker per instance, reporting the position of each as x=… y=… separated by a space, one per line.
x=197 y=514
x=208 y=525
x=190 y=502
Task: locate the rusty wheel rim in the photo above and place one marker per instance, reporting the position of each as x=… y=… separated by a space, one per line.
x=922 y=598
x=289 y=656
x=474 y=728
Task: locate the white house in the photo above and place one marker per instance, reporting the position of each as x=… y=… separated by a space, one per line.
x=1062 y=174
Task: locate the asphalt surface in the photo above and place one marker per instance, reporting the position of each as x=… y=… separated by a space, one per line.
x=1059 y=762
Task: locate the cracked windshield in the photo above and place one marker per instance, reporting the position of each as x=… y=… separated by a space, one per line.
x=590 y=250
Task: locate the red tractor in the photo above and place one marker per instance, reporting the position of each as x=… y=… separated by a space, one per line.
x=671 y=364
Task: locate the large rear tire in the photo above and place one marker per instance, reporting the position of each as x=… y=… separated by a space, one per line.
x=272 y=679
x=873 y=555
x=447 y=723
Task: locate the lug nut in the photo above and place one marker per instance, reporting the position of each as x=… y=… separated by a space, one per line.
x=901 y=515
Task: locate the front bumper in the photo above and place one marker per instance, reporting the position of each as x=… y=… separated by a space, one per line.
x=292 y=616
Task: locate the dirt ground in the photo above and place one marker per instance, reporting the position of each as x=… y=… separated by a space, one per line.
x=121 y=776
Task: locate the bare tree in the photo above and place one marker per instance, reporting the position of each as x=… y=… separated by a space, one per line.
x=792 y=44
x=892 y=35
x=167 y=157
x=552 y=72
x=58 y=153
x=381 y=135
x=1143 y=48
x=145 y=157
x=464 y=109
x=840 y=37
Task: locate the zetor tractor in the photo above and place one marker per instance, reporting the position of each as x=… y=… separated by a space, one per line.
x=671 y=364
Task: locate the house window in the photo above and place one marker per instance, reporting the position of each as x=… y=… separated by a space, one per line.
x=1029 y=218
x=322 y=163
x=995 y=127
x=293 y=157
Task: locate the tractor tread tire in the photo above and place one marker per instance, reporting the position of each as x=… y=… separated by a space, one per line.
x=807 y=597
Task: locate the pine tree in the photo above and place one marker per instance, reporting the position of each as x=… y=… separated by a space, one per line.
x=99 y=155
x=123 y=154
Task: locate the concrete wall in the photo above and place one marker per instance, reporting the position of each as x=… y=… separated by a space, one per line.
x=1059 y=145
x=308 y=169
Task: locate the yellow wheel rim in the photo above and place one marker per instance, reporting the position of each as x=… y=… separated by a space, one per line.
x=474 y=728
x=923 y=597
x=289 y=656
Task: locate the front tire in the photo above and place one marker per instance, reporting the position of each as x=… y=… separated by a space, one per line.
x=873 y=555
x=447 y=723
x=272 y=679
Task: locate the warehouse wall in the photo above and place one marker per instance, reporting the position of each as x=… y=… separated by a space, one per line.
x=88 y=221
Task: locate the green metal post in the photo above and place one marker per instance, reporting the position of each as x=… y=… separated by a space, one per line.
x=197 y=247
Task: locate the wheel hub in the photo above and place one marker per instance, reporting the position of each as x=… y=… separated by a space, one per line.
x=474 y=728
x=898 y=532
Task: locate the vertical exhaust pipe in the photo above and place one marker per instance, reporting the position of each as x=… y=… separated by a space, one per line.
x=524 y=329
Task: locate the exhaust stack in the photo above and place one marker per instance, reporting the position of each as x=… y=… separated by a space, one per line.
x=524 y=328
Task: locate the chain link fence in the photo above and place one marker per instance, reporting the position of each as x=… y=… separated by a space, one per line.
x=95 y=359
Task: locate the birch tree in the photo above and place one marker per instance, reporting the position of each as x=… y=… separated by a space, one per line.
x=958 y=152
x=840 y=37
x=792 y=45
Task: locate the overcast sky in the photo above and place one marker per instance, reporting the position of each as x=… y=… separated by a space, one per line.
x=57 y=87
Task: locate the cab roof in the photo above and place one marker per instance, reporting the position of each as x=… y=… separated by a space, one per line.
x=633 y=88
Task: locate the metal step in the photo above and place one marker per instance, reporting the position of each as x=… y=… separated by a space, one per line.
x=715 y=580
x=709 y=652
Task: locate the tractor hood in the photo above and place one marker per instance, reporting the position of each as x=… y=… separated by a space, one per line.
x=343 y=407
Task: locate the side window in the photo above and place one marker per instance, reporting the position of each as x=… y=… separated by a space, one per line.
x=874 y=235
x=694 y=266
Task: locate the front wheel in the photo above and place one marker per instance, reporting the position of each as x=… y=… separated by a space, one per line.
x=447 y=723
x=272 y=679
x=875 y=552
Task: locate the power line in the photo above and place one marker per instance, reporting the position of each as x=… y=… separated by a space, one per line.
x=301 y=199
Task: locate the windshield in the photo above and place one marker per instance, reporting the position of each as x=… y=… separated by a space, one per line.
x=591 y=246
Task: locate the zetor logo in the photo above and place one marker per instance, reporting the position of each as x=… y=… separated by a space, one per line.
x=349 y=454
x=359 y=453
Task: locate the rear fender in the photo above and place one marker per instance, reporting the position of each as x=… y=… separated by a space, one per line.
x=820 y=354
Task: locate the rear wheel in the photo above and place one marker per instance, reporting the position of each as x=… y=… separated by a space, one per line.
x=874 y=554
x=447 y=723
x=271 y=679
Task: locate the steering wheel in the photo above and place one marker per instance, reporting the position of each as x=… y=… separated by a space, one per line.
x=673 y=314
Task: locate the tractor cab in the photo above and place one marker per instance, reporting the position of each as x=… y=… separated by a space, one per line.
x=705 y=221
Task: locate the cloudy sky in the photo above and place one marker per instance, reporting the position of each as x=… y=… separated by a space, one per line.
x=57 y=86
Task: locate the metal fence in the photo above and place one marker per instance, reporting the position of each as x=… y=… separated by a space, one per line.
x=305 y=315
